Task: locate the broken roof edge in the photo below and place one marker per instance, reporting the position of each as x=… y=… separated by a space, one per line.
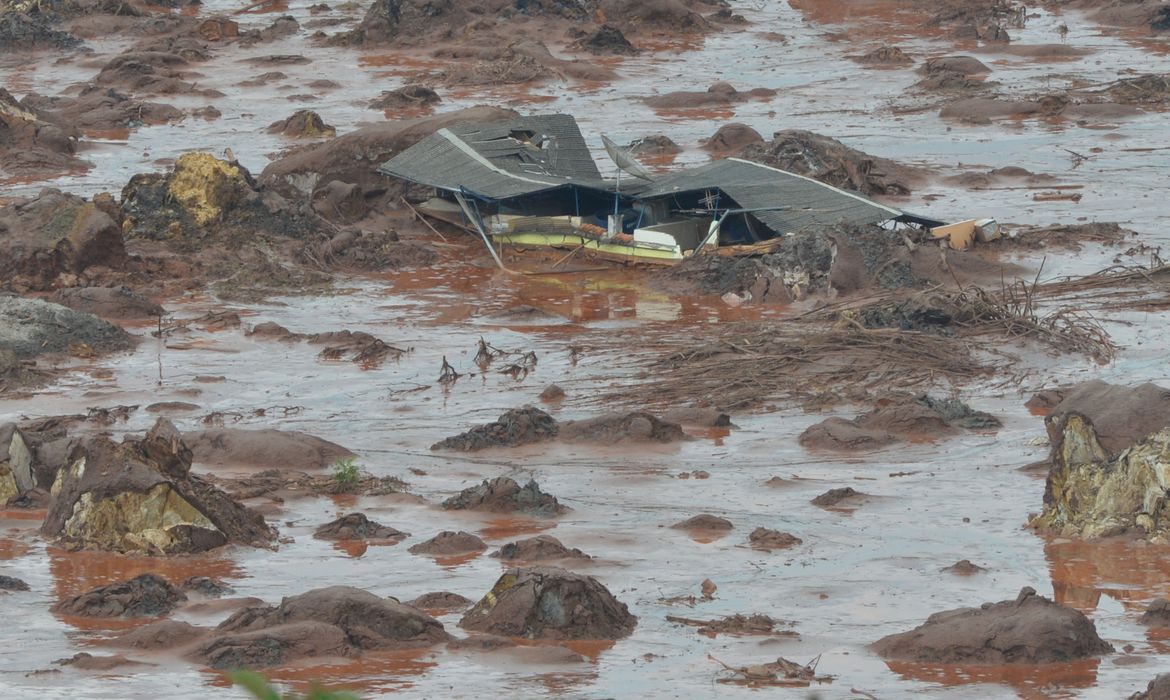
x=855 y=195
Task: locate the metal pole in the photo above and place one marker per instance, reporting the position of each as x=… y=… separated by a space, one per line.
x=479 y=227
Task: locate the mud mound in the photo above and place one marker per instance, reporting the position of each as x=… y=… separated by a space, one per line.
x=1028 y=630
x=334 y=621
x=615 y=429
x=653 y=145
x=768 y=540
x=963 y=65
x=1159 y=688
x=10 y=583
x=549 y=603
x=30 y=146
x=56 y=233
x=518 y=426
x=538 y=548
x=1157 y=614
x=504 y=495
x=266 y=447
x=964 y=567
x=834 y=498
x=31 y=327
x=21 y=31
x=108 y=302
x=406 y=97
x=164 y=634
x=705 y=521
x=353 y=157
x=206 y=586
x=155 y=72
x=670 y=17
x=884 y=56
x=303 y=124
x=99 y=109
x=720 y=94
x=518 y=62
x=732 y=138
x=440 y=600
x=139 y=496
x=832 y=162
x=356 y=526
x=147 y=595
x=88 y=662
x=608 y=39
x=205 y=199
x=449 y=543
x=904 y=419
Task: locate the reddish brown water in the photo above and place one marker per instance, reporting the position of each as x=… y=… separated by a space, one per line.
x=859 y=575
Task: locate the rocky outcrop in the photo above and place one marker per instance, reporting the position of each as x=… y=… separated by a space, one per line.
x=30 y=146
x=1109 y=471
x=1028 y=630
x=538 y=548
x=356 y=526
x=768 y=539
x=504 y=495
x=139 y=496
x=518 y=426
x=334 y=621
x=705 y=521
x=31 y=327
x=16 y=463
x=303 y=124
x=147 y=595
x=549 y=603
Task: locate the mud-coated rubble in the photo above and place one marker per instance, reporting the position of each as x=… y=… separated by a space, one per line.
x=334 y=621
x=32 y=327
x=529 y=425
x=148 y=595
x=263 y=447
x=832 y=162
x=538 y=548
x=356 y=526
x=504 y=495
x=900 y=419
x=1028 y=630
x=32 y=147
x=1108 y=467
x=16 y=463
x=449 y=543
x=549 y=603
x=139 y=496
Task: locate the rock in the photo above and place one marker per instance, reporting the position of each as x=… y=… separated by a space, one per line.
x=31 y=31
x=56 y=233
x=768 y=540
x=835 y=497
x=885 y=56
x=1028 y=630
x=32 y=147
x=964 y=568
x=440 y=600
x=832 y=162
x=963 y=65
x=334 y=621
x=31 y=327
x=1108 y=480
x=163 y=634
x=1157 y=614
x=16 y=463
x=266 y=447
x=504 y=495
x=10 y=583
x=148 y=595
x=517 y=426
x=549 y=603
x=638 y=426
x=1159 y=688
x=704 y=521
x=732 y=138
x=448 y=543
x=902 y=419
x=303 y=124
x=406 y=97
x=356 y=526
x=88 y=662
x=139 y=496
x=108 y=302
x=538 y=548
x=207 y=586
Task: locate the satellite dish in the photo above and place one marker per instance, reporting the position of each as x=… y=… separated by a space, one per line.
x=624 y=160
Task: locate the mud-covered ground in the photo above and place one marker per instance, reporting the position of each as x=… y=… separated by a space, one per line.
x=1045 y=135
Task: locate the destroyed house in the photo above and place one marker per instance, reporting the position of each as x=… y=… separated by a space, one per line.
x=532 y=182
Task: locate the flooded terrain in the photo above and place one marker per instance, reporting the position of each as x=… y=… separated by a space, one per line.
x=869 y=566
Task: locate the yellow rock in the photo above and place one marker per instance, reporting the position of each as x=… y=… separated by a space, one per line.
x=205 y=186
x=132 y=521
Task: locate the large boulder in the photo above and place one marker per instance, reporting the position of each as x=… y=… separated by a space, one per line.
x=16 y=463
x=1028 y=630
x=549 y=603
x=139 y=496
x=334 y=621
x=55 y=233
x=148 y=595
x=31 y=327
x=504 y=495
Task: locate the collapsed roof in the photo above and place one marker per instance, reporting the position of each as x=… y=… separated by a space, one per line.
x=529 y=155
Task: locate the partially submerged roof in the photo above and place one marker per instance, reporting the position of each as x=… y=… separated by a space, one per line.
x=501 y=159
x=788 y=202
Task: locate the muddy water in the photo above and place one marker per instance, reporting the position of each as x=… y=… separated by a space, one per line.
x=859 y=575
